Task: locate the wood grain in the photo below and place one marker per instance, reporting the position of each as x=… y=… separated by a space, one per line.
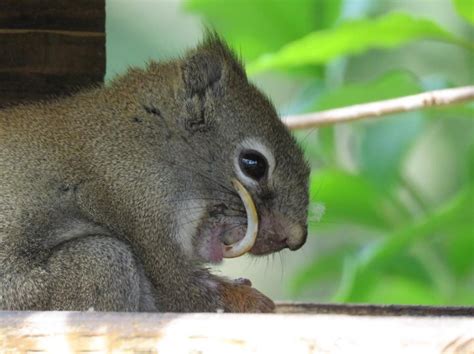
x=374 y=310
x=50 y=48
x=313 y=333
x=74 y=15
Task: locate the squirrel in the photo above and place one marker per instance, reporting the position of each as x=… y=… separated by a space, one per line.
x=117 y=197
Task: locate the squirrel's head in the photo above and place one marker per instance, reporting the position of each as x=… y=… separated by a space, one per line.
x=217 y=128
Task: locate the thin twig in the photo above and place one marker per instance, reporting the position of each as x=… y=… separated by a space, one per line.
x=376 y=109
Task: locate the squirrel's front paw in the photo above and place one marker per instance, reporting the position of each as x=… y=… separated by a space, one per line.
x=239 y=296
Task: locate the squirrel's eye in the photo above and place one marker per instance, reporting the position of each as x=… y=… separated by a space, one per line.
x=253 y=164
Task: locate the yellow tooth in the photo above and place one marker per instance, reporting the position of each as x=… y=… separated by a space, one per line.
x=244 y=245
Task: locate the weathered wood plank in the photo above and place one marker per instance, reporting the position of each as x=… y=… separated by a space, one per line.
x=67 y=332
x=73 y=15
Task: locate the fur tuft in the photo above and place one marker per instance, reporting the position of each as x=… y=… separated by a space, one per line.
x=214 y=43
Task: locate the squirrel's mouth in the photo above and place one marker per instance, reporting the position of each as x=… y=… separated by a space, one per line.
x=228 y=238
x=223 y=236
x=244 y=245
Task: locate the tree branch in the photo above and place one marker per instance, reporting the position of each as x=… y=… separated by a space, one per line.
x=436 y=98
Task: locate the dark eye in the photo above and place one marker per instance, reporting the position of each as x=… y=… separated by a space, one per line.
x=253 y=164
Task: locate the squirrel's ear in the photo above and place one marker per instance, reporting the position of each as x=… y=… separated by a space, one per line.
x=209 y=64
x=200 y=71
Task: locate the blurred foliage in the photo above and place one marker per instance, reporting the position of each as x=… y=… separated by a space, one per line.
x=466 y=9
x=352 y=37
x=398 y=192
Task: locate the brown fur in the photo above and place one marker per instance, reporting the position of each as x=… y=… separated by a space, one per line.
x=90 y=187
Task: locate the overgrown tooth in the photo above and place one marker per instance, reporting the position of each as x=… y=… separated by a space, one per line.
x=244 y=245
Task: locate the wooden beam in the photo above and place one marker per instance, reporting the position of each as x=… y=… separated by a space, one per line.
x=330 y=332
x=50 y=48
x=74 y=15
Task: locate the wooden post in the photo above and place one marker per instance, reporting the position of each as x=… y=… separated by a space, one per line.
x=50 y=48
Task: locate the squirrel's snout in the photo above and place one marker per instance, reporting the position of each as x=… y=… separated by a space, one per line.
x=277 y=232
x=297 y=237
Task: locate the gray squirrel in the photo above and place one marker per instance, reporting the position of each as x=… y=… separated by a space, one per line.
x=117 y=197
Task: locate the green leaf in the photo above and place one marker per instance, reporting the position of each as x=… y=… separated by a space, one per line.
x=349 y=198
x=383 y=286
x=353 y=37
x=384 y=144
x=379 y=155
x=401 y=290
x=470 y=162
x=405 y=266
x=326 y=141
x=410 y=266
x=254 y=27
x=328 y=11
x=464 y=295
x=324 y=266
x=466 y=9
x=391 y=85
x=464 y=111
x=385 y=251
x=459 y=247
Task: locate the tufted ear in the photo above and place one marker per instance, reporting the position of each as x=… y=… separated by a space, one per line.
x=209 y=64
x=206 y=68
x=201 y=70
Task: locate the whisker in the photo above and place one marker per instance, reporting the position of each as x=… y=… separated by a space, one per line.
x=230 y=222
x=199 y=173
x=202 y=198
x=303 y=141
x=225 y=188
x=239 y=211
x=324 y=222
x=282 y=273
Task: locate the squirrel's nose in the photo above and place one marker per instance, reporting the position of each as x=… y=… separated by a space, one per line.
x=297 y=237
